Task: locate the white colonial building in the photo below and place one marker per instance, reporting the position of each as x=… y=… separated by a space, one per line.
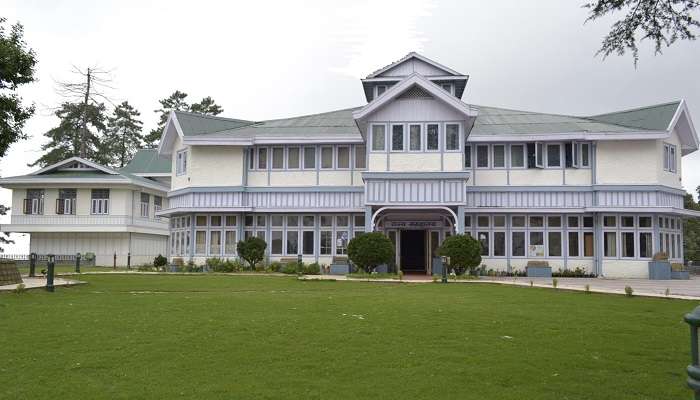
x=599 y=192
x=78 y=206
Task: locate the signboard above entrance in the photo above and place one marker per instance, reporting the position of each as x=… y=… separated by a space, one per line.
x=414 y=224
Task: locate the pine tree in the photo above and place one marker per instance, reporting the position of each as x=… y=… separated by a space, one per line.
x=691 y=231
x=177 y=102
x=207 y=106
x=123 y=135
x=66 y=140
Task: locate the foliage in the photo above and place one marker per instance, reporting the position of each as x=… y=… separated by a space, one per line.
x=662 y=22
x=252 y=250
x=629 y=291
x=577 y=272
x=20 y=288
x=588 y=289
x=660 y=256
x=312 y=269
x=370 y=250
x=178 y=102
x=275 y=266
x=123 y=136
x=160 y=261
x=224 y=265
x=146 y=268
x=463 y=250
x=192 y=267
x=677 y=267
x=691 y=231
x=4 y=237
x=291 y=268
x=65 y=139
x=555 y=283
x=374 y=275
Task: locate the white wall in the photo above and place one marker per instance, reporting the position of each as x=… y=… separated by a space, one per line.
x=416 y=110
x=628 y=162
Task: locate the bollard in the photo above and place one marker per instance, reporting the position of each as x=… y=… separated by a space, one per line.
x=49 y=273
x=693 y=370
x=300 y=267
x=32 y=265
x=114 y=264
x=77 y=263
x=445 y=262
x=128 y=260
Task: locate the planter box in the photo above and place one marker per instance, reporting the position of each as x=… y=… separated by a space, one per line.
x=680 y=275
x=382 y=269
x=539 y=272
x=340 y=269
x=659 y=270
x=437 y=266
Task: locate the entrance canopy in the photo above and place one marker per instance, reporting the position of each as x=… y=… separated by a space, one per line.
x=415 y=218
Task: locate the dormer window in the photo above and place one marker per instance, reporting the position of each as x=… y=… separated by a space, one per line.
x=380 y=90
x=447 y=87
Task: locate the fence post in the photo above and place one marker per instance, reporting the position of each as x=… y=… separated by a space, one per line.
x=32 y=265
x=128 y=260
x=77 y=263
x=49 y=273
x=114 y=264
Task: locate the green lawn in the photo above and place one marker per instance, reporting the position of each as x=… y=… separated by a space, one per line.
x=234 y=337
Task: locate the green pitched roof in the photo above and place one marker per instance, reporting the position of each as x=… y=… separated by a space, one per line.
x=147 y=161
x=193 y=124
x=656 y=117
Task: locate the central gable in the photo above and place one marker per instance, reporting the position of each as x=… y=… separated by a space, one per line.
x=413 y=63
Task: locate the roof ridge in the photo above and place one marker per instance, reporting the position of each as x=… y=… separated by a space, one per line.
x=208 y=116
x=306 y=115
x=636 y=109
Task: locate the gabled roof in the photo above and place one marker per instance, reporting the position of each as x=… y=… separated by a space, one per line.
x=413 y=56
x=75 y=163
x=147 y=162
x=193 y=124
x=656 y=117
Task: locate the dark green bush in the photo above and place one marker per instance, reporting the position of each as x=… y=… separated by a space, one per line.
x=312 y=269
x=292 y=268
x=252 y=250
x=464 y=252
x=275 y=266
x=192 y=267
x=370 y=250
x=160 y=262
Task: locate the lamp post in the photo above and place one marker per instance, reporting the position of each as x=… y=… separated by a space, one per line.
x=49 y=272
x=693 y=370
x=77 y=263
x=32 y=265
x=445 y=263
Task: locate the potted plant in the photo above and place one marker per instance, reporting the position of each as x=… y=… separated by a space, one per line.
x=678 y=271
x=659 y=267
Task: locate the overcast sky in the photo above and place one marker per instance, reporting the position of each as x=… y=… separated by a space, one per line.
x=267 y=59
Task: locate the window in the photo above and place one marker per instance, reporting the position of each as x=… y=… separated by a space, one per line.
x=397 y=138
x=414 y=137
x=669 y=157
x=65 y=204
x=292 y=242
x=308 y=221
x=585 y=154
x=308 y=243
x=517 y=156
x=157 y=204
x=627 y=221
x=588 y=244
x=326 y=220
x=499 y=244
x=215 y=242
x=343 y=157
x=359 y=221
x=433 y=137
x=644 y=222
x=100 y=201
x=309 y=157
x=467 y=156
x=181 y=162
x=518 y=221
x=380 y=90
x=572 y=222
x=277 y=158
x=341 y=242
x=378 y=137
x=482 y=156
x=200 y=242
x=251 y=159
x=34 y=203
x=573 y=244
x=342 y=220
x=262 y=158
x=276 y=242
x=145 y=202
x=553 y=155
x=482 y=221
x=293 y=158
x=326 y=243
x=467 y=221
x=326 y=157
x=518 y=244
x=554 y=221
x=536 y=248
x=534 y=155
x=260 y=220
x=536 y=222
x=554 y=244
x=292 y=220
x=627 y=244
x=499 y=155
x=499 y=221
x=588 y=222
x=276 y=220
x=483 y=238
x=230 y=242
x=610 y=244
x=609 y=221
x=447 y=87
x=360 y=157
x=452 y=137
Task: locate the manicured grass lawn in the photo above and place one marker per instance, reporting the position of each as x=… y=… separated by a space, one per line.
x=165 y=337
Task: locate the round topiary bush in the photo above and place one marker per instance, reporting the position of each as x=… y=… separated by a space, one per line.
x=464 y=252
x=252 y=250
x=160 y=262
x=370 y=250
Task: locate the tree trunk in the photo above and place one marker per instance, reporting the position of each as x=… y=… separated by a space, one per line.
x=83 y=125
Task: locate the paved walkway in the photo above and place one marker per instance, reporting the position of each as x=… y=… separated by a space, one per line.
x=678 y=289
x=40 y=282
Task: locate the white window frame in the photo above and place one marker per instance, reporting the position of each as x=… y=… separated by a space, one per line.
x=560 y=153
x=303 y=158
x=439 y=138
x=337 y=157
x=587 y=151
x=403 y=139
x=355 y=157
x=448 y=87
x=299 y=157
x=420 y=137
x=459 y=137
x=320 y=165
x=371 y=144
x=181 y=162
x=488 y=156
x=493 y=156
x=539 y=156
x=376 y=90
x=510 y=155
x=272 y=158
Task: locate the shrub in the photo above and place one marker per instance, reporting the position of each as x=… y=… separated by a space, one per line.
x=532 y=284
x=291 y=268
x=312 y=269
x=628 y=291
x=145 y=268
x=370 y=250
x=20 y=288
x=661 y=256
x=252 y=250
x=555 y=282
x=578 y=272
x=160 y=262
x=463 y=250
x=218 y=265
x=275 y=266
x=192 y=267
x=677 y=267
x=260 y=267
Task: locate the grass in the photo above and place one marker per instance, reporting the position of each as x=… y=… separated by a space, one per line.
x=164 y=337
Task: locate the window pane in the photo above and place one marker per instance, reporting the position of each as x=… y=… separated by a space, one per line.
x=452 y=137
x=517 y=158
x=610 y=244
x=467 y=220
x=262 y=158
x=276 y=242
x=484 y=240
x=308 y=243
x=553 y=155
x=433 y=137
x=588 y=222
x=378 y=137
x=588 y=244
x=293 y=158
x=359 y=221
x=518 y=220
x=572 y=222
x=499 y=156
x=627 y=244
x=645 y=244
x=309 y=157
x=467 y=156
x=260 y=219
x=645 y=222
x=341 y=242
x=414 y=137
x=499 y=244
x=326 y=157
x=537 y=222
x=397 y=137
x=326 y=220
x=249 y=220
x=308 y=220
x=536 y=247
x=554 y=221
x=215 y=220
x=627 y=221
x=200 y=242
x=518 y=244
x=360 y=157
x=343 y=157
x=276 y=220
x=200 y=220
x=326 y=242
x=554 y=244
x=342 y=220
x=609 y=221
x=278 y=157
x=230 y=242
x=482 y=221
x=231 y=220
x=292 y=220
x=292 y=242
x=482 y=156
x=499 y=220
x=573 y=244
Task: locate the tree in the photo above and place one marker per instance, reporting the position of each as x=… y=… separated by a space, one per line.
x=252 y=250
x=371 y=249
x=123 y=135
x=463 y=250
x=691 y=231
x=178 y=102
x=68 y=139
x=17 y=64
x=661 y=21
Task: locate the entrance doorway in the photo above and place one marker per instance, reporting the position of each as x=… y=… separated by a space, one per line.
x=413 y=251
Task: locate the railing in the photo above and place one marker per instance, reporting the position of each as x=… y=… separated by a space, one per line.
x=88 y=220
x=41 y=259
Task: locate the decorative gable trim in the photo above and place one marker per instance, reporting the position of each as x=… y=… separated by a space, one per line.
x=69 y=165
x=172 y=129
x=409 y=56
x=683 y=124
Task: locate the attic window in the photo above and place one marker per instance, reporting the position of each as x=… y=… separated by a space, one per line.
x=380 y=90
x=447 y=87
x=415 y=92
